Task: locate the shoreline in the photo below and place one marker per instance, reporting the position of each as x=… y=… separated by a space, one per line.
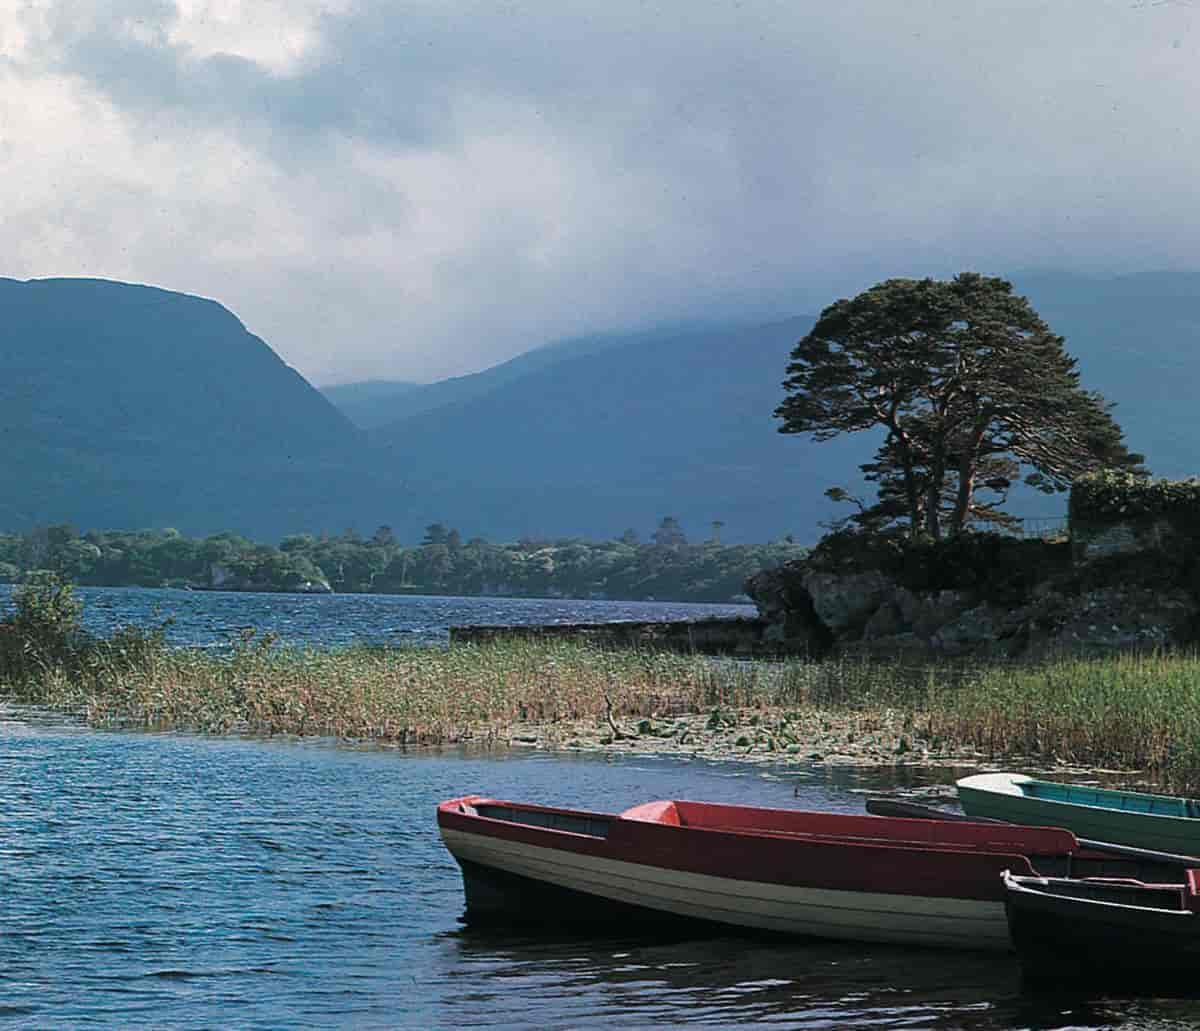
x=874 y=743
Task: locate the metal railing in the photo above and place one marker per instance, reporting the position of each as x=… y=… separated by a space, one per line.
x=1045 y=528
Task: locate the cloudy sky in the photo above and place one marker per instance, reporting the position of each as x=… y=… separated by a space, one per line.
x=424 y=188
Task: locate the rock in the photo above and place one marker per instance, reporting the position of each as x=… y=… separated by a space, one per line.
x=1118 y=618
x=844 y=602
x=886 y=622
x=1090 y=543
x=787 y=608
x=974 y=630
x=936 y=610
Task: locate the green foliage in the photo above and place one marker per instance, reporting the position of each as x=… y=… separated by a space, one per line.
x=970 y=388
x=667 y=568
x=42 y=631
x=1116 y=496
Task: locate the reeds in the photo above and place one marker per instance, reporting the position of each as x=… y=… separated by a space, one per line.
x=1132 y=712
x=468 y=693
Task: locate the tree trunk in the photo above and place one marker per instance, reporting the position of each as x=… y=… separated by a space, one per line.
x=967 y=467
x=966 y=494
x=933 y=499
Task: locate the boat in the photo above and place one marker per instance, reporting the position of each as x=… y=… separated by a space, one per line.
x=1115 y=931
x=1161 y=822
x=851 y=877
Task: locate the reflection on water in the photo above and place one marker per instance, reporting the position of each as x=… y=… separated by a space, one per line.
x=163 y=880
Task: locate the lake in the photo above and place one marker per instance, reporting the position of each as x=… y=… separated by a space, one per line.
x=216 y=618
x=179 y=881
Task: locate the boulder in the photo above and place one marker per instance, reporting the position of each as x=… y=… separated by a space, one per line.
x=972 y=631
x=845 y=602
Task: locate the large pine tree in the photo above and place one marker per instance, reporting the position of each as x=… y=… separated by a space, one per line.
x=971 y=387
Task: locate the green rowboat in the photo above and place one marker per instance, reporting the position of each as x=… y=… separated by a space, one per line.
x=1162 y=822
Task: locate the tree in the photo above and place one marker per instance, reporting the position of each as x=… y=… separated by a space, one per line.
x=435 y=533
x=970 y=387
x=669 y=533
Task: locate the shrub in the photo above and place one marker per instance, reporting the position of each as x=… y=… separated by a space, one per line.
x=42 y=631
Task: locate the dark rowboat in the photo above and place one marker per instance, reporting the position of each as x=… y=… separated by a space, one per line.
x=1114 y=930
x=857 y=878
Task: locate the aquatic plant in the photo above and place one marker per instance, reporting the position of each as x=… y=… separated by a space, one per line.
x=1132 y=712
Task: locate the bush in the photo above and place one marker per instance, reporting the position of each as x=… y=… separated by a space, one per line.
x=42 y=631
x=1112 y=496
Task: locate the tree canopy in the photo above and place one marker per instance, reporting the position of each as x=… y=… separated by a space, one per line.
x=971 y=388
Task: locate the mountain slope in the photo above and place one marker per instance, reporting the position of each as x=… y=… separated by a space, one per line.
x=404 y=404
x=678 y=424
x=682 y=424
x=370 y=403
x=1137 y=339
x=130 y=406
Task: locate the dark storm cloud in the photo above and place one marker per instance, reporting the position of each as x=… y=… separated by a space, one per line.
x=479 y=177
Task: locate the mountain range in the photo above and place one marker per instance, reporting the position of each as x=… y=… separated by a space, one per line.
x=127 y=406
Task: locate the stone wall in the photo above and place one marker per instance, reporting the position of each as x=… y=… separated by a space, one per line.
x=1095 y=540
x=716 y=636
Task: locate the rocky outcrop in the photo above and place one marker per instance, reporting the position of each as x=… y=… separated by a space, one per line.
x=786 y=607
x=812 y=612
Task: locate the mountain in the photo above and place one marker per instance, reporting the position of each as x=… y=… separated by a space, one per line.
x=672 y=423
x=680 y=423
x=127 y=406
x=1137 y=339
x=130 y=406
x=374 y=404
x=370 y=403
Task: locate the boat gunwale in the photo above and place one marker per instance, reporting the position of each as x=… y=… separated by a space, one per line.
x=1006 y=849
x=1014 y=885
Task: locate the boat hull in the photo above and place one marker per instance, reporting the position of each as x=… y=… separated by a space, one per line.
x=1004 y=797
x=1060 y=939
x=652 y=875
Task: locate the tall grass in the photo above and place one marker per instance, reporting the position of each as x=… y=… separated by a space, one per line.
x=1134 y=712
x=468 y=693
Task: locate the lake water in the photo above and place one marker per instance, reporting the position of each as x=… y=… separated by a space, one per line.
x=176 y=881
x=215 y=618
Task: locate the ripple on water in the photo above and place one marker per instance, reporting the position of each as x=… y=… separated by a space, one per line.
x=173 y=881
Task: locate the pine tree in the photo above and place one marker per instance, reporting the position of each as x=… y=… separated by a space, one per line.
x=971 y=389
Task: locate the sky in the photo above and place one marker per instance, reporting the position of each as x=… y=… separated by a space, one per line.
x=423 y=189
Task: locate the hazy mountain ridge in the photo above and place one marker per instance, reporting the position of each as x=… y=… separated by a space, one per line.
x=126 y=406
x=369 y=403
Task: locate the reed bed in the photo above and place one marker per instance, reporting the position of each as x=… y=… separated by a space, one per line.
x=1130 y=712
x=1134 y=712
x=408 y=696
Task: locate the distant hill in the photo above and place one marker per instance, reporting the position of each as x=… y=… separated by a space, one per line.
x=671 y=423
x=127 y=406
x=370 y=403
x=376 y=403
x=1137 y=339
x=130 y=406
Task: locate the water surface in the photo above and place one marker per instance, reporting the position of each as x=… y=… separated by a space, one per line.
x=216 y=618
x=178 y=881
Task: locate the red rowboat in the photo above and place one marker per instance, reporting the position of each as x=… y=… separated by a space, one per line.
x=858 y=878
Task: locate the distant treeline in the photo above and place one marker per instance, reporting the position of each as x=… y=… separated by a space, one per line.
x=667 y=567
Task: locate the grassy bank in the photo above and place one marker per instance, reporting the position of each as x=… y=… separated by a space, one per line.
x=1137 y=713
